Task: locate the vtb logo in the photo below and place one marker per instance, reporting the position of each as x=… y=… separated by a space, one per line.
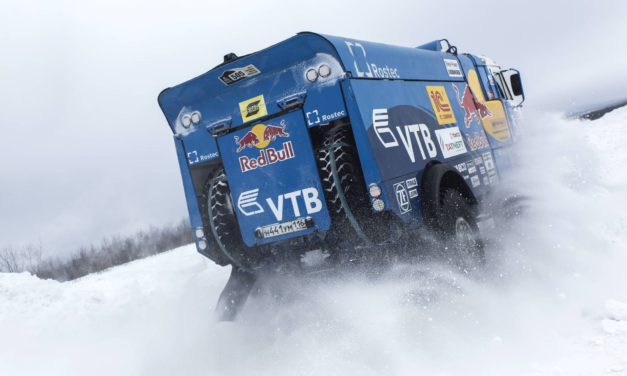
x=307 y=199
x=441 y=105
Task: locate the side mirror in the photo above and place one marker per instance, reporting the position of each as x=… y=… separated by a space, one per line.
x=516 y=84
x=513 y=86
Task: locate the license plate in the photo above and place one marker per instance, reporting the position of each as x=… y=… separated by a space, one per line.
x=277 y=229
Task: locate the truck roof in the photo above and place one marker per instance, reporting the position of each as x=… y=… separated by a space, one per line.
x=279 y=70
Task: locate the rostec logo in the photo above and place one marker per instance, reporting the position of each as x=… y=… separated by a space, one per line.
x=402 y=198
x=441 y=105
x=307 y=199
x=314 y=117
x=472 y=107
x=358 y=52
x=388 y=138
x=260 y=137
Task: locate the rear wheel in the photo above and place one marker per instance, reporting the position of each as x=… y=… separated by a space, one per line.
x=219 y=216
x=354 y=221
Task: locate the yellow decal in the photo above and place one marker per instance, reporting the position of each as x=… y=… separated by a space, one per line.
x=495 y=125
x=253 y=108
x=441 y=105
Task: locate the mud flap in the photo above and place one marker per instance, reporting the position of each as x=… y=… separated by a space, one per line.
x=235 y=293
x=274 y=180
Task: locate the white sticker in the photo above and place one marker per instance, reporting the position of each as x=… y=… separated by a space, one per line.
x=402 y=197
x=451 y=142
x=234 y=75
x=413 y=193
x=411 y=183
x=452 y=67
x=489 y=162
x=475 y=181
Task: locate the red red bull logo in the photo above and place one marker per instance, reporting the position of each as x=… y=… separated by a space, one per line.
x=472 y=107
x=260 y=136
x=267 y=157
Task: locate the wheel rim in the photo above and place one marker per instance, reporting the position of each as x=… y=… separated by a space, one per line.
x=464 y=234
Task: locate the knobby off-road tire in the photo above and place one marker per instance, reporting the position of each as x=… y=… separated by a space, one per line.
x=456 y=224
x=352 y=219
x=218 y=214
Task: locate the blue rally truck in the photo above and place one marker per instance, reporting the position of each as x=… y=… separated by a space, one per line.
x=337 y=146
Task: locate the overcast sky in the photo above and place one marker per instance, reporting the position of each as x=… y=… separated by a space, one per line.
x=86 y=153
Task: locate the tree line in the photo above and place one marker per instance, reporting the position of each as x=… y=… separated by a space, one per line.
x=111 y=251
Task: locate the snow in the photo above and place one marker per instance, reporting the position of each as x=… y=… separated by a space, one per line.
x=551 y=301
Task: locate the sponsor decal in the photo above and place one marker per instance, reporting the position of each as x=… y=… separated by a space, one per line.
x=407 y=134
x=441 y=105
x=267 y=157
x=253 y=108
x=193 y=157
x=486 y=180
x=500 y=126
x=461 y=167
x=478 y=161
x=302 y=201
x=260 y=136
x=402 y=197
x=470 y=165
x=452 y=68
x=413 y=193
x=411 y=183
x=471 y=106
x=489 y=162
x=247 y=203
x=365 y=69
x=482 y=170
x=233 y=75
x=451 y=142
x=313 y=117
x=477 y=141
x=475 y=181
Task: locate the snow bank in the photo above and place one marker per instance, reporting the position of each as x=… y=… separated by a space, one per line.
x=552 y=300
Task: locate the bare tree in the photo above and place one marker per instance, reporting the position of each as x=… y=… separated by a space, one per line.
x=114 y=251
x=14 y=260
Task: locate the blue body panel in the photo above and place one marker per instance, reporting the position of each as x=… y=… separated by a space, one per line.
x=276 y=180
x=403 y=135
x=407 y=107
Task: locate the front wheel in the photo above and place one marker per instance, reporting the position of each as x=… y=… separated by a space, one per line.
x=457 y=224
